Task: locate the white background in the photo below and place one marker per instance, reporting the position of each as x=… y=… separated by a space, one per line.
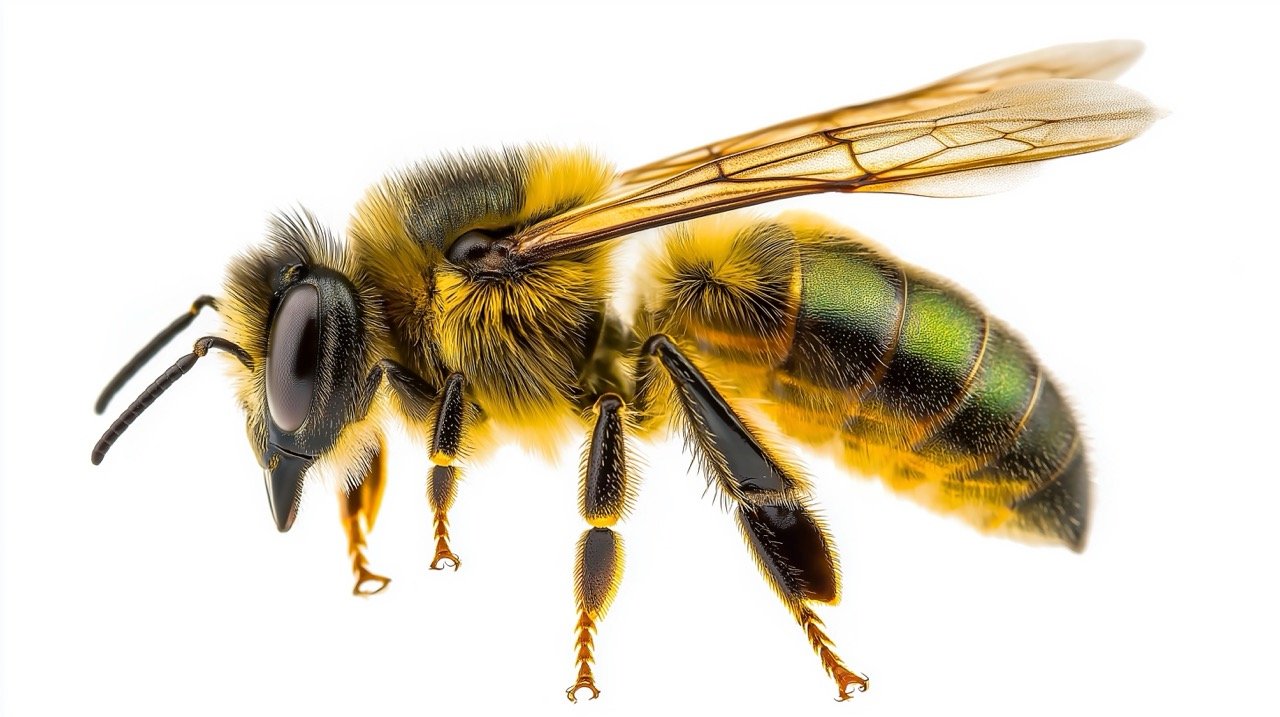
x=143 y=146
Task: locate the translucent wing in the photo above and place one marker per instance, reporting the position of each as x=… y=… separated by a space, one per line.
x=921 y=153
x=1093 y=60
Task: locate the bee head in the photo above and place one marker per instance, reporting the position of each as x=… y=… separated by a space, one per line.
x=303 y=334
x=295 y=306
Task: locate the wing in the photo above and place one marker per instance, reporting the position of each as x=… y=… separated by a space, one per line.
x=1093 y=60
x=960 y=148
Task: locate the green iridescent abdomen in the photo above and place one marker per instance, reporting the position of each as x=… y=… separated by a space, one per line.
x=897 y=372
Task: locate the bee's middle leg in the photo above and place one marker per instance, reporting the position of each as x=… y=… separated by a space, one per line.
x=359 y=511
x=604 y=494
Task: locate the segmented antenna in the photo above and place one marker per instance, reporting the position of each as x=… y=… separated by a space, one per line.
x=160 y=385
x=149 y=351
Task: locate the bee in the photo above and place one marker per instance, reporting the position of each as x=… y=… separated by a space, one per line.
x=490 y=298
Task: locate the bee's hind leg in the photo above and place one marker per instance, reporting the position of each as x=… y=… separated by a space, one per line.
x=769 y=498
x=359 y=510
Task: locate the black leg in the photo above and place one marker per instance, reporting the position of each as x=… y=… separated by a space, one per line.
x=415 y=396
x=604 y=496
x=791 y=547
x=448 y=414
x=742 y=467
x=451 y=418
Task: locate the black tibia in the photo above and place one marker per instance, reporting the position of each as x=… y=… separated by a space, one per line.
x=603 y=498
x=148 y=352
x=359 y=507
x=447 y=437
x=792 y=549
x=162 y=384
x=742 y=466
x=449 y=420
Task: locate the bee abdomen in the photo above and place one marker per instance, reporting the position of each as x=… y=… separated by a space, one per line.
x=903 y=374
x=993 y=409
x=1041 y=476
x=927 y=390
x=940 y=342
x=1010 y=441
x=849 y=318
x=899 y=349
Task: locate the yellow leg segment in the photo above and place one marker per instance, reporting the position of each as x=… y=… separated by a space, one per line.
x=441 y=489
x=359 y=511
x=585 y=646
x=846 y=680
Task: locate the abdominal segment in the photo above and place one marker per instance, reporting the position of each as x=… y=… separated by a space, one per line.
x=893 y=370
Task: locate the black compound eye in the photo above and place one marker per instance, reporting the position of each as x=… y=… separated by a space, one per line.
x=293 y=351
x=469 y=248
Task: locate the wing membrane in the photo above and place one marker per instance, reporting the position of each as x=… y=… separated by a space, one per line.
x=1095 y=60
x=909 y=154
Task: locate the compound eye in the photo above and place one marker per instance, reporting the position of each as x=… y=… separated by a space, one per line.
x=469 y=248
x=293 y=351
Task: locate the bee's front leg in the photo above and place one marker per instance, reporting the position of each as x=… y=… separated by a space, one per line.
x=603 y=498
x=451 y=420
x=359 y=509
x=361 y=497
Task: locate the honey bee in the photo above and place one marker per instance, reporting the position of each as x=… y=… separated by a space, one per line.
x=488 y=297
